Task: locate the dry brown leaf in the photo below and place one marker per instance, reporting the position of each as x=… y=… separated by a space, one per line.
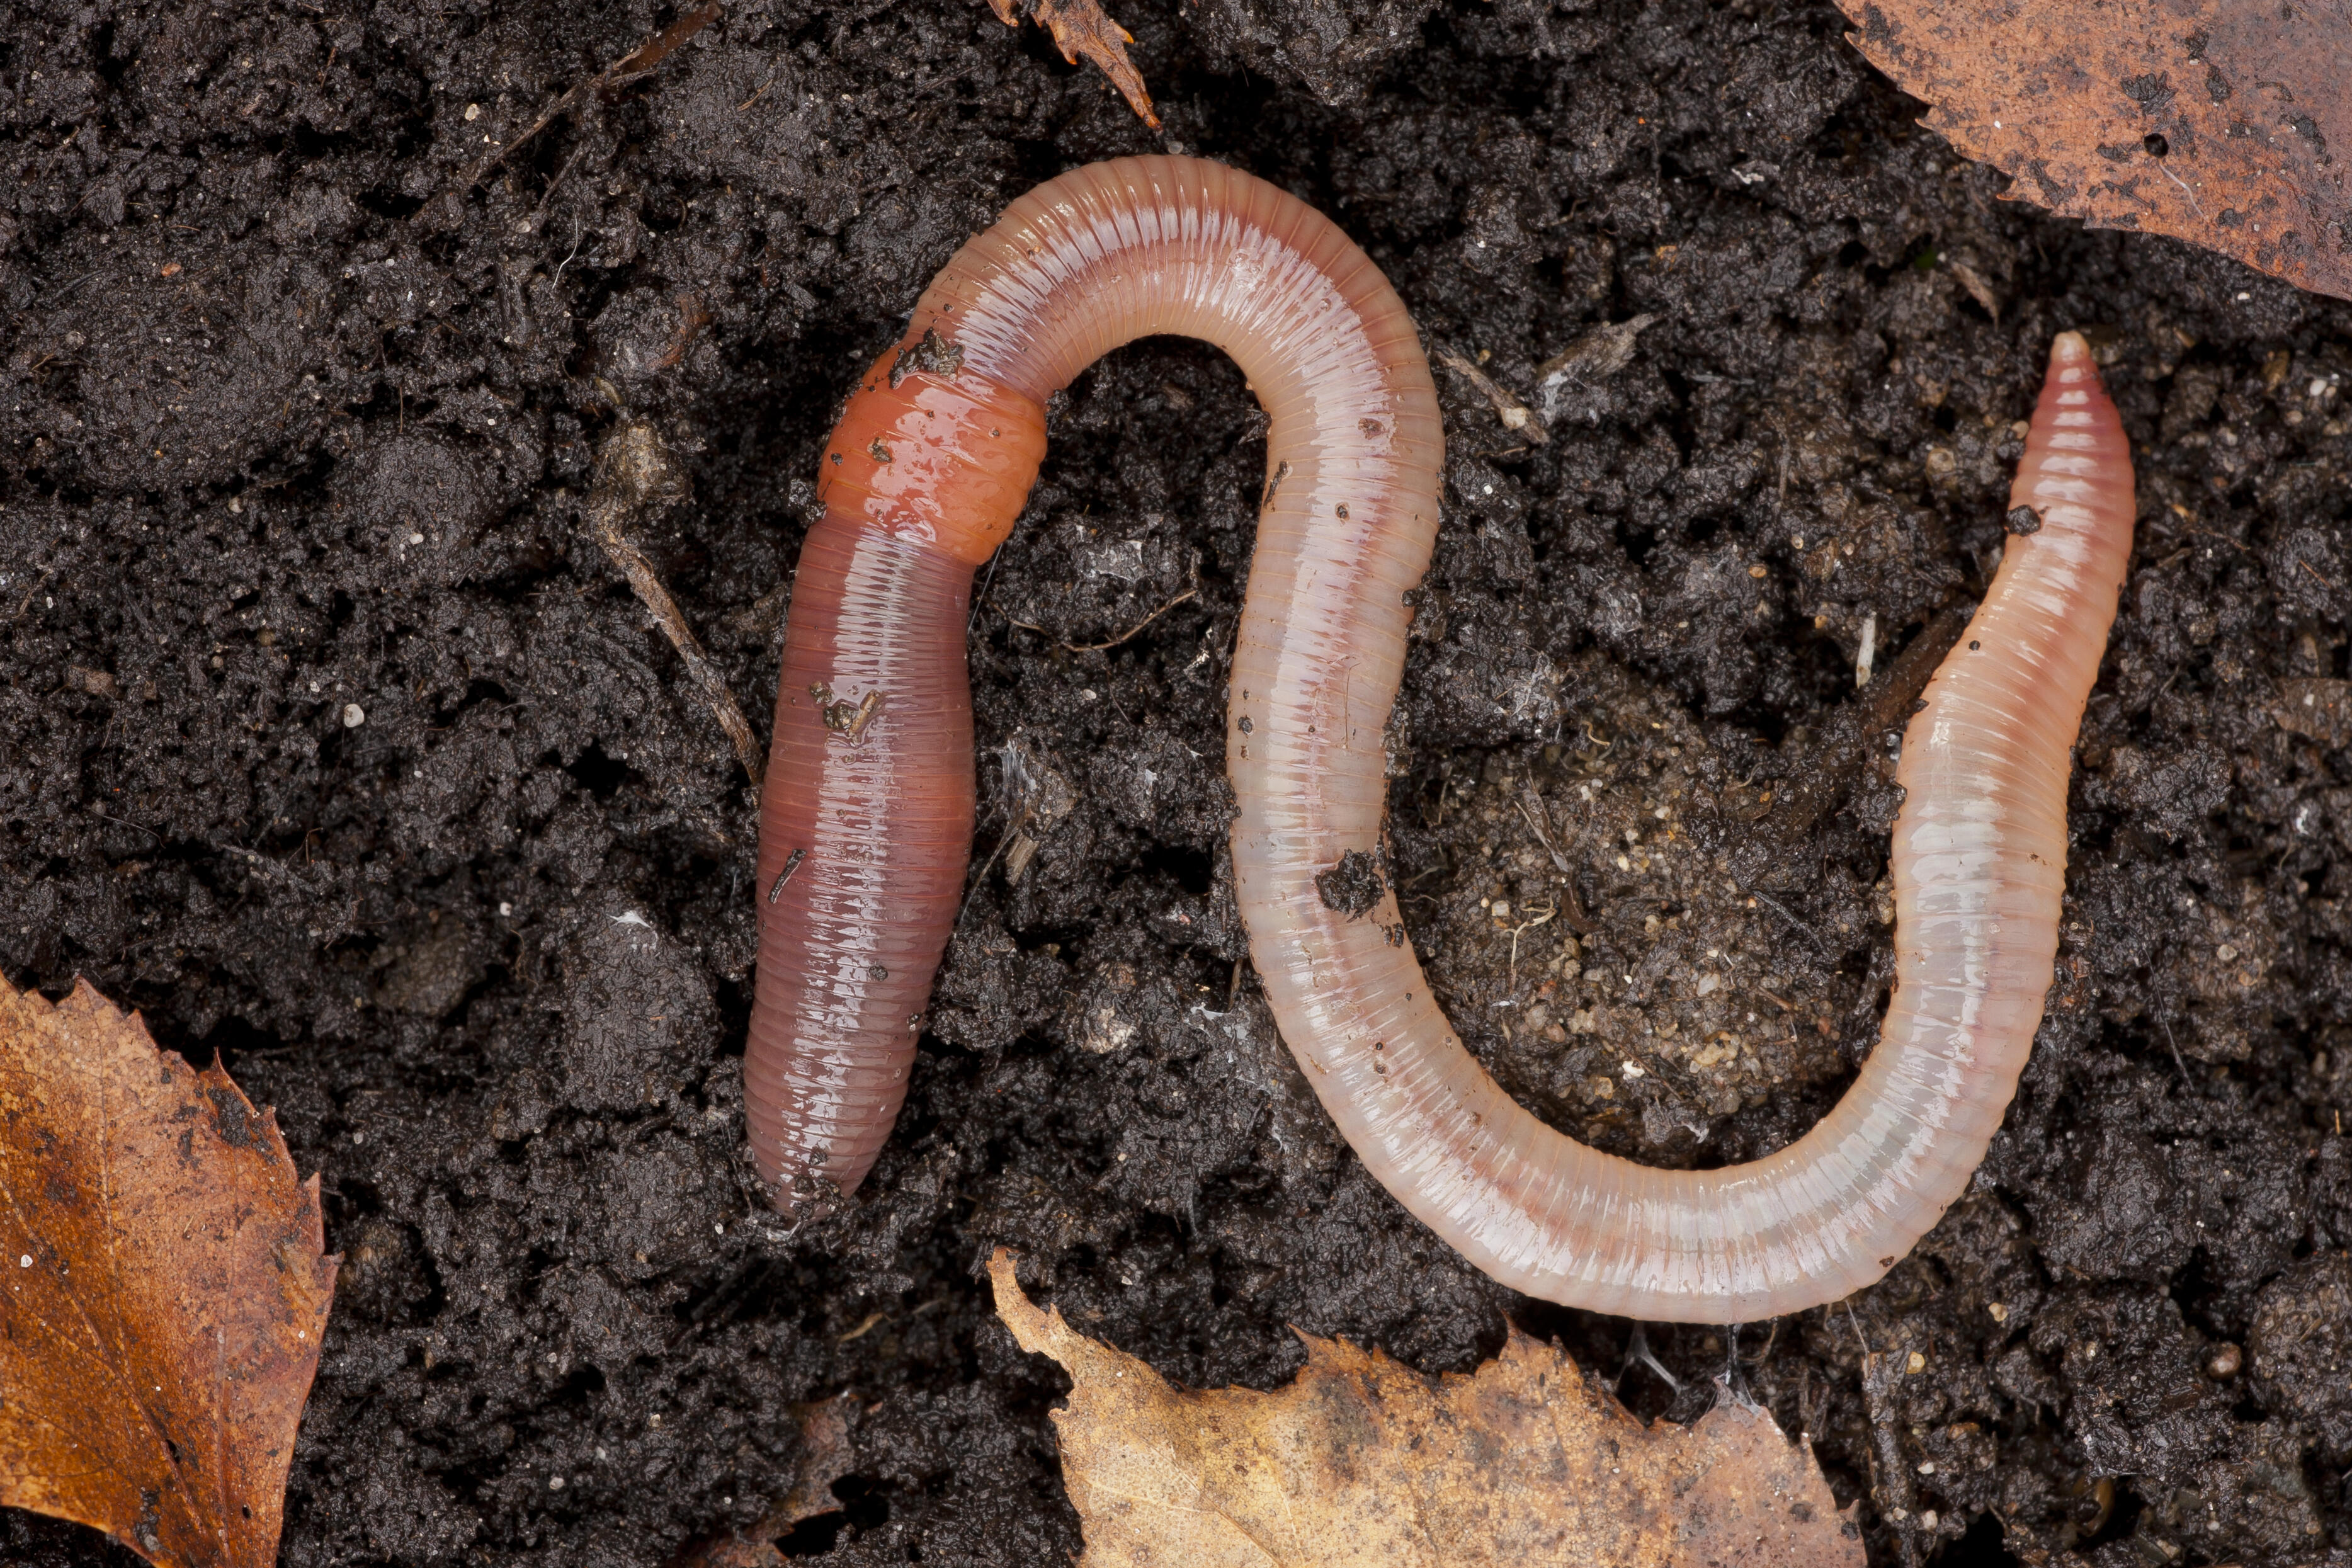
x=165 y=1292
x=1080 y=28
x=2221 y=122
x=827 y=1454
x=1361 y=1462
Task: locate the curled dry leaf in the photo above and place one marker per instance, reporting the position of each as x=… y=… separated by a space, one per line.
x=2216 y=121
x=1361 y=1462
x=164 y=1289
x=1080 y=28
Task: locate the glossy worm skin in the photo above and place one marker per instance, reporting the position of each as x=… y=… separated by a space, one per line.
x=869 y=808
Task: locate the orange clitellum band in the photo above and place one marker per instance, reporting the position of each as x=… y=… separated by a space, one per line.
x=945 y=459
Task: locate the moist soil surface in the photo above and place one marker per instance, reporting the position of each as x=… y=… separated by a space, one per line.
x=335 y=742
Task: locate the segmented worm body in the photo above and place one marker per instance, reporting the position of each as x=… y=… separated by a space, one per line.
x=867 y=813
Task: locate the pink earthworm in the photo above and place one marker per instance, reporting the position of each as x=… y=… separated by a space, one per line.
x=867 y=811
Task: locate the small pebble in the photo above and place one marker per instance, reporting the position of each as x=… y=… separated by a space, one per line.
x=2224 y=1363
x=1917 y=1364
x=353 y=715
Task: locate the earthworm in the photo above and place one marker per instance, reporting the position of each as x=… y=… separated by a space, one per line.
x=868 y=809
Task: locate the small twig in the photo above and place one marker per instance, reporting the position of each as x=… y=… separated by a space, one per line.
x=548 y=195
x=635 y=63
x=982 y=597
x=140 y=827
x=2169 y=1041
x=1131 y=631
x=635 y=476
x=1512 y=982
x=762 y=88
x=1515 y=414
x=1820 y=786
x=33 y=593
x=2221 y=538
x=1572 y=915
x=1801 y=926
x=1531 y=807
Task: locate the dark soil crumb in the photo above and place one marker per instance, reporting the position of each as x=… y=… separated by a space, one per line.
x=1352 y=886
x=335 y=743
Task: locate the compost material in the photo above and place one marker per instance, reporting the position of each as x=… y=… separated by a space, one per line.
x=332 y=738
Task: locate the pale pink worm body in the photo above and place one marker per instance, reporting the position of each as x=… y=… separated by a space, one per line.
x=866 y=821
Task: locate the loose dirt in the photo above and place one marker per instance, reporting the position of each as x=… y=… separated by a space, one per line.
x=330 y=738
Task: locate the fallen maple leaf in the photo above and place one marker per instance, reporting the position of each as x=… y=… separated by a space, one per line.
x=164 y=1289
x=1080 y=28
x=2209 y=121
x=1364 y=1461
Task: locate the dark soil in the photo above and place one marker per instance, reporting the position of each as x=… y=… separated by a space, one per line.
x=332 y=743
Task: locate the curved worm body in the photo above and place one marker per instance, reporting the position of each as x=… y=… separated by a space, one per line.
x=1979 y=861
x=867 y=814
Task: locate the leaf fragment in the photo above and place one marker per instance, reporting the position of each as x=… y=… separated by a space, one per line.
x=1081 y=27
x=828 y=1453
x=2215 y=121
x=162 y=1288
x=1361 y=1462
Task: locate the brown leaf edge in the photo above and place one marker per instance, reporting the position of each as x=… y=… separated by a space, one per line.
x=1080 y=28
x=273 y=1373
x=2207 y=121
x=1689 y=1512
x=828 y=1453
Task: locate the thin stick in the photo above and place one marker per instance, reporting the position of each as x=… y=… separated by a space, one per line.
x=635 y=63
x=1515 y=416
x=1131 y=631
x=634 y=475
x=1531 y=807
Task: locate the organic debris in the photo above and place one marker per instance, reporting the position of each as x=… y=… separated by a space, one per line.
x=2206 y=121
x=1517 y=417
x=636 y=478
x=827 y=1454
x=637 y=62
x=1588 y=361
x=1080 y=28
x=167 y=1292
x=1362 y=1460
